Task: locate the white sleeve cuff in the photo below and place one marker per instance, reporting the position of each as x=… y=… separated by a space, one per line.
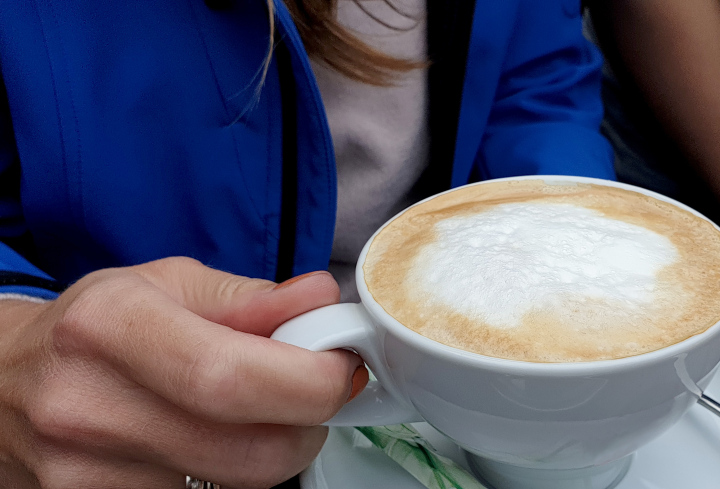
x=22 y=297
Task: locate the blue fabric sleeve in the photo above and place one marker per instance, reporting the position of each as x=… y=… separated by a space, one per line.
x=547 y=111
x=17 y=275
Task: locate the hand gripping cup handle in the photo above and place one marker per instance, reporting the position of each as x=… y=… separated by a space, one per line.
x=350 y=326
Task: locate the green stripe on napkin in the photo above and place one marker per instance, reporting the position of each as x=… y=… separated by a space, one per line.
x=411 y=451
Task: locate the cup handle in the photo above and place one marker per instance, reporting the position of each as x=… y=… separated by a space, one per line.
x=350 y=326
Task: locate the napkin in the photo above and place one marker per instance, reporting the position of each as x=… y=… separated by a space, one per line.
x=412 y=452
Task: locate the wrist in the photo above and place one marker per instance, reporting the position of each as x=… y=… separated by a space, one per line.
x=15 y=315
x=16 y=372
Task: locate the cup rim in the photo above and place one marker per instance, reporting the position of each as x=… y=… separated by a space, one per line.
x=519 y=366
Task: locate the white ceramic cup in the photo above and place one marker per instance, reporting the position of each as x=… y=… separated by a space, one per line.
x=526 y=425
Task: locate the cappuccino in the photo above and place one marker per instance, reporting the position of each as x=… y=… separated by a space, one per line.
x=541 y=272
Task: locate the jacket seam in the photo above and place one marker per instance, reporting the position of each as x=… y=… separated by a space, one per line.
x=319 y=108
x=201 y=36
x=71 y=100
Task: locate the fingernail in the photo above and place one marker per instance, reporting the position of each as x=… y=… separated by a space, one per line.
x=359 y=380
x=291 y=281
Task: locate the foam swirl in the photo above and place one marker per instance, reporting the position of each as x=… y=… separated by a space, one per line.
x=496 y=266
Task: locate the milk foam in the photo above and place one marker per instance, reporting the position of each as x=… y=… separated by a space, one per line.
x=499 y=265
x=542 y=271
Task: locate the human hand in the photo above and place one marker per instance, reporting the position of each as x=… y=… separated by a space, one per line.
x=135 y=377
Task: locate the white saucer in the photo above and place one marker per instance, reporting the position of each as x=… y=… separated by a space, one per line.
x=687 y=456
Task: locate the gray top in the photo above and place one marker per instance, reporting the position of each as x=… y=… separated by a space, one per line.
x=380 y=134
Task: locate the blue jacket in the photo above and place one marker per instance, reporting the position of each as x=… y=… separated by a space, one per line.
x=133 y=130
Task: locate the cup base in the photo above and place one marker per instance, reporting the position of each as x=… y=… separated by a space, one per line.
x=505 y=476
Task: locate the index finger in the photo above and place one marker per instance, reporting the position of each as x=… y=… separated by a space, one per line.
x=208 y=369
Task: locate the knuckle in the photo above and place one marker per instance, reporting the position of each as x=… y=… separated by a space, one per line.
x=276 y=454
x=257 y=467
x=56 y=474
x=333 y=389
x=269 y=475
x=62 y=412
x=232 y=286
x=53 y=414
x=169 y=266
x=50 y=477
x=180 y=261
x=79 y=323
x=212 y=383
x=326 y=411
x=173 y=271
x=72 y=327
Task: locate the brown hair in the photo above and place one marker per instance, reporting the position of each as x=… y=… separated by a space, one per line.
x=328 y=42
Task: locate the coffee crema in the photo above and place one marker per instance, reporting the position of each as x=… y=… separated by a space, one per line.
x=548 y=271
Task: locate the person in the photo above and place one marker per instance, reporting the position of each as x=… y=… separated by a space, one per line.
x=161 y=169
x=661 y=96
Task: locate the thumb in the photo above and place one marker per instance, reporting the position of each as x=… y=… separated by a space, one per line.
x=253 y=306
